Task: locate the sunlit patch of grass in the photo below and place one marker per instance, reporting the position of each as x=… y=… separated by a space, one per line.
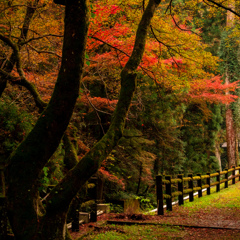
x=228 y=197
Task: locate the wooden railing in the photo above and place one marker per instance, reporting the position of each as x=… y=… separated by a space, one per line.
x=190 y=184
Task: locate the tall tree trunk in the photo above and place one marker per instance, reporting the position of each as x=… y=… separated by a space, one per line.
x=237 y=152
x=27 y=162
x=230 y=128
x=231 y=140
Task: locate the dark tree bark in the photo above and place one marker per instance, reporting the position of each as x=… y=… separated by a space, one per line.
x=28 y=160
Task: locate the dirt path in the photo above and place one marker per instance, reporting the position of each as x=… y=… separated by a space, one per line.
x=206 y=222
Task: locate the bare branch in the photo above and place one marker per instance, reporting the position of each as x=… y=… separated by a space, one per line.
x=144 y=69
x=41 y=51
x=169 y=6
x=186 y=30
x=222 y=6
x=96 y=110
x=170 y=48
x=22 y=81
x=40 y=37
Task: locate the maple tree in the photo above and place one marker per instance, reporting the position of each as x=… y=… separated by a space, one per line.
x=114 y=55
x=174 y=71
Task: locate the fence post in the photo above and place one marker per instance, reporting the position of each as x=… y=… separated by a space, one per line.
x=199 y=184
x=233 y=175
x=209 y=184
x=93 y=213
x=190 y=185
x=180 y=189
x=159 y=189
x=226 y=177
x=3 y=210
x=218 y=180
x=169 y=192
x=75 y=221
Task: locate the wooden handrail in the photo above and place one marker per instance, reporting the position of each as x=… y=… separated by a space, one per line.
x=165 y=186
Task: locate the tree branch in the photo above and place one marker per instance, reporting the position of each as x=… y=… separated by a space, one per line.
x=40 y=37
x=43 y=51
x=22 y=81
x=145 y=70
x=222 y=6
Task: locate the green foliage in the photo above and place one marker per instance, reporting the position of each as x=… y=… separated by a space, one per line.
x=15 y=124
x=211 y=26
x=116 y=208
x=160 y=121
x=52 y=173
x=200 y=136
x=229 y=52
x=147 y=203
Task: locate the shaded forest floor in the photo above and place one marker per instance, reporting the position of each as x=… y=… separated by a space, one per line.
x=216 y=216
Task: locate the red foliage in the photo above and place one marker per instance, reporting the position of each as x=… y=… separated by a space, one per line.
x=111 y=177
x=213 y=90
x=99 y=103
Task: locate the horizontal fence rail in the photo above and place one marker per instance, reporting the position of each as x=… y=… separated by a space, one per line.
x=169 y=188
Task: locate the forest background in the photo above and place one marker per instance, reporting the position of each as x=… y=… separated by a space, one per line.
x=177 y=117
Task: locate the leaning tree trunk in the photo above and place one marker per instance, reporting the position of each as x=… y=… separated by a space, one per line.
x=27 y=162
x=30 y=157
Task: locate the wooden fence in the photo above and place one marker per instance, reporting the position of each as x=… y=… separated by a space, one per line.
x=190 y=184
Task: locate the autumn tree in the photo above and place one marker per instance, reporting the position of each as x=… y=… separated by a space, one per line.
x=28 y=221
x=180 y=79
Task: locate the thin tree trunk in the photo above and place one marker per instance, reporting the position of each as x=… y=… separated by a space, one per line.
x=237 y=152
x=9 y=64
x=139 y=178
x=231 y=143
x=230 y=128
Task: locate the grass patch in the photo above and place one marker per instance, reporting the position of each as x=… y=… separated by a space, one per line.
x=226 y=198
x=135 y=232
